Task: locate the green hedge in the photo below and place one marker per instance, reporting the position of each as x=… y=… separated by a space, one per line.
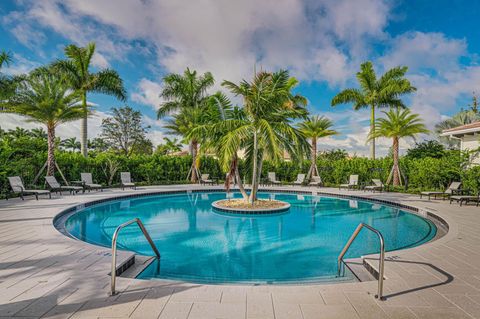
x=25 y=157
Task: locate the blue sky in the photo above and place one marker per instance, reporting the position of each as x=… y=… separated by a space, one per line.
x=321 y=42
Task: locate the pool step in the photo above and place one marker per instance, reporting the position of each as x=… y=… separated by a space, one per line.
x=141 y=262
x=359 y=269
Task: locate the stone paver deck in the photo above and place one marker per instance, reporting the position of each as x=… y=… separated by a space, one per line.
x=45 y=274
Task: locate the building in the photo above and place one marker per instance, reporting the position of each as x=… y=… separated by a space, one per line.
x=469 y=136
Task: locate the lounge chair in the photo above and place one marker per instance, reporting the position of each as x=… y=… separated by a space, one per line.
x=55 y=186
x=465 y=198
x=300 y=180
x=454 y=187
x=126 y=180
x=205 y=179
x=377 y=186
x=352 y=182
x=17 y=187
x=272 y=178
x=87 y=182
x=315 y=181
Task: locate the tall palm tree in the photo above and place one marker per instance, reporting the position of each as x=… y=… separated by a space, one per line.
x=316 y=127
x=77 y=71
x=267 y=130
x=398 y=123
x=374 y=93
x=45 y=97
x=5 y=58
x=186 y=93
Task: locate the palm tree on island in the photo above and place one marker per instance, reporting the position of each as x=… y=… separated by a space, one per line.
x=267 y=130
x=76 y=69
x=398 y=123
x=376 y=92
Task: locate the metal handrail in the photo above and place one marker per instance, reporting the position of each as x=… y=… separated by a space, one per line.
x=382 y=255
x=114 y=248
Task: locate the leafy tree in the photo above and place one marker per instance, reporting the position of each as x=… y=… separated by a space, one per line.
x=70 y=144
x=398 y=123
x=169 y=146
x=186 y=94
x=333 y=155
x=266 y=131
x=7 y=82
x=374 y=93
x=97 y=144
x=426 y=149
x=124 y=130
x=77 y=71
x=45 y=97
x=39 y=132
x=316 y=127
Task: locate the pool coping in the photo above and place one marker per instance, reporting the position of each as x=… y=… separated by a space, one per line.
x=441 y=223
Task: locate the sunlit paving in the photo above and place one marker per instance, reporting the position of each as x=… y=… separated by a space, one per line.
x=239 y=159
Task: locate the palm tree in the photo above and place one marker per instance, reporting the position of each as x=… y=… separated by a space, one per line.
x=172 y=145
x=39 y=132
x=71 y=144
x=267 y=131
x=186 y=93
x=5 y=58
x=316 y=127
x=399 y=123
x=374 y=93
x=18 y=132
x=461 y=118
x=45 y=97
x=77 y=71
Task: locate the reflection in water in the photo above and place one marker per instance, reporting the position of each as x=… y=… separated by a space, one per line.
x=200 y=245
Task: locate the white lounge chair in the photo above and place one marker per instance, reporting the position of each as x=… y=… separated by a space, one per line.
x=300 y=179
x=205 y=179
x=272 y=178
x=126 y=180
x=454 y=186
x=17 y=187
x=87 y=182
x=377 y=186
x=55 y=186
x=315 y=181
x=352 y=182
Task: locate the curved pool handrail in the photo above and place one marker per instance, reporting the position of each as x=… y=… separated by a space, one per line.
x=382 y=255
x=114 y=248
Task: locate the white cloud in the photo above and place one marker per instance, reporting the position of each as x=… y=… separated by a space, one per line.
x=224 y=37
x=420 y=51
x=148 y=93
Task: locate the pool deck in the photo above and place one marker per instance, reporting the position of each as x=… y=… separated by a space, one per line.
x=46 y=274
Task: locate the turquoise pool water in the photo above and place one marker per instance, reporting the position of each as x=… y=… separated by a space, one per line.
x=200 y=245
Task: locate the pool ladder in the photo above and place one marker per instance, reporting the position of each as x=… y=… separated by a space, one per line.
x=381 y=265
x=114 y=248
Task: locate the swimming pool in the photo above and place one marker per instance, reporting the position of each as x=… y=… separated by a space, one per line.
x=199 y=244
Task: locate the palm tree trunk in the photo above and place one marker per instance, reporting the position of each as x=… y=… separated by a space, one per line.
x=241 y=188
x=51 y=150
x=83 y=126
x=314 y=157
x=194 y=177
x=396 y=177
x=253 y=195
x=372 y=131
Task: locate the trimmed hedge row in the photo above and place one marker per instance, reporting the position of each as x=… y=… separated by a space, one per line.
x=426 y=173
